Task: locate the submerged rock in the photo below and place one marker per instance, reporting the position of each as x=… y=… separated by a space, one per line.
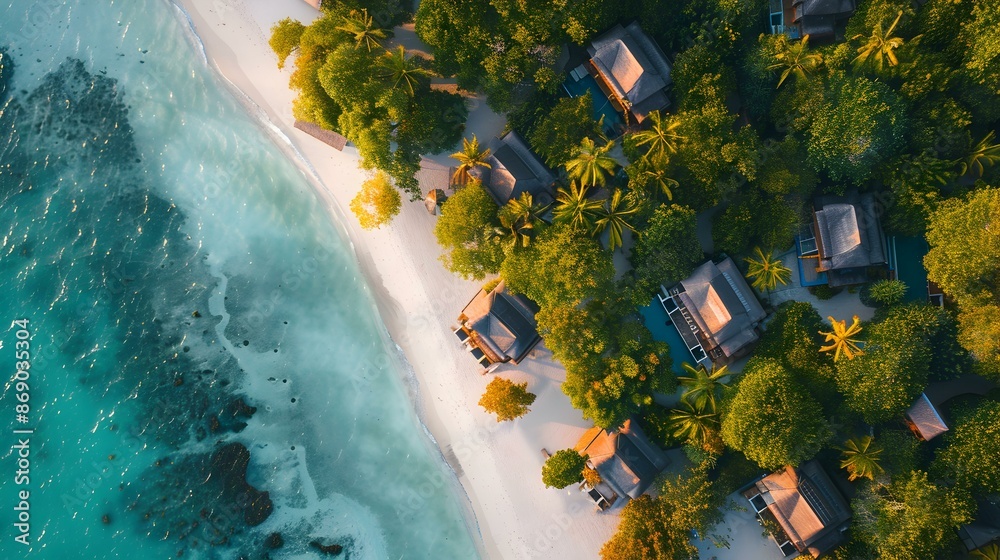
x=273 y=541
x=230 y=463
x=328 y=549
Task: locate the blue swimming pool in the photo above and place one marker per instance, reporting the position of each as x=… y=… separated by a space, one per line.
x=602 y=106
x=659 y=324
x=907 y=259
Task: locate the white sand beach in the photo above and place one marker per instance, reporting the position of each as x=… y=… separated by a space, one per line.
x=498 y=465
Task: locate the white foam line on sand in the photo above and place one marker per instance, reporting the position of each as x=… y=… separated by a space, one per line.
x=498 y=465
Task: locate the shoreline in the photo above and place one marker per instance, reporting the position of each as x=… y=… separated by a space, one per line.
x=496 y=467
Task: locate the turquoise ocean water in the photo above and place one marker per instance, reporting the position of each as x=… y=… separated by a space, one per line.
x=186 y=299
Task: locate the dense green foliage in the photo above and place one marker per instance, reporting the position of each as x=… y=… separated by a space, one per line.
x=972 y=450
x=463 y=230
x=912 y=344
x=912 y=519
x=563 y=468
x=904 y=105
x=380 y=100
x=668 y=250
x=792 y=337
x=965 y=261
x=559 y=268
x=559 y=132
x=661 y=528
x=772 y=418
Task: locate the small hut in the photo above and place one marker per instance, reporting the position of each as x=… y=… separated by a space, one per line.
x=434 y=200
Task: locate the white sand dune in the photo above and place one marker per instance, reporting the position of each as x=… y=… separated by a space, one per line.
x=498 y=465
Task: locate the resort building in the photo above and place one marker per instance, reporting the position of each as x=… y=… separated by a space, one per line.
x=926 y=418
x=625 y=458
x=846 y=239
x=806 y=511
x=630 y=69
x=498 y=327
x=715 y=312
x=985 y=529
x=819 y=19
x=515 y=169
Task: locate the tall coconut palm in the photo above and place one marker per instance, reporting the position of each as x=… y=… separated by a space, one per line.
x=612 y=218
x=403 y=71
x=518 y=219
x=469 y=158
x=660 y=139
x=362 y=27
x=646 y=174
x=880 y=47
x=592 y=164
x=766 y=271
x=794 y=59
x=701 y=385
x=573 y=207
x=841 y=339
x=860 y=458
x=989 y=552
x=698 y=424
x=983 y=155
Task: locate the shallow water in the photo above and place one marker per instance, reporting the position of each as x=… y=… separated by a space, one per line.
x=170 y=261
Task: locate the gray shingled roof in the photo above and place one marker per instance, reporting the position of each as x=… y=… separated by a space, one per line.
x=634 y=66
x=849 y=233
x=827 y=7
x=819 y=17
x=806 y=504
x=722 y=305
x=926 y=418
x=625 y=458
x=505 y=322
x=515 y=169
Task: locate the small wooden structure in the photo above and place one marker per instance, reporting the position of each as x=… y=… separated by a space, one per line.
x=323 y=135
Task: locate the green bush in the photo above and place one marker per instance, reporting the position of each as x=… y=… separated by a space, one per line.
x=655 y=422
x=563 y=468
x=887 y=292
x=824 y=291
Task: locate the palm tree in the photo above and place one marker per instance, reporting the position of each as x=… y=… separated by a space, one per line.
x=573 y=207
x=880 y=46
x=795 y=59
x=517 y=221
x=402 y=70
x=983 y=155
x=592 y=165
x=702 y=385
x=861 y=458
x=766 y=271
x=612 y=216
x=840 y=339
x=991 y=552
x=695 y=423
x=362 y=26
x=469 y=158
x=660 y=138
x=648 y=175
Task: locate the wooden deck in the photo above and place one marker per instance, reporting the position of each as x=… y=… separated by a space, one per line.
x=323 y=135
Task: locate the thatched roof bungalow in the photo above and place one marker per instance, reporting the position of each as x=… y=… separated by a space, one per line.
x=807 y=506
x=625 y=458
x=499 y=326
x=631 y=69
x=849 y=238
x=515 y=169
x=716 y=312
